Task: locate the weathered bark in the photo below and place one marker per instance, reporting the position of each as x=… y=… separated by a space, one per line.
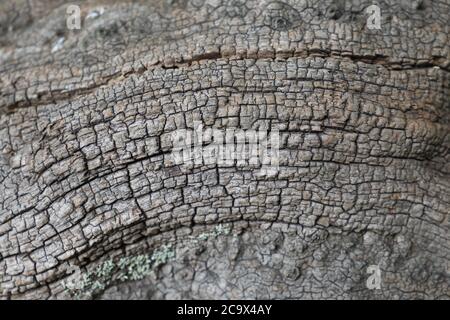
x=86 y=119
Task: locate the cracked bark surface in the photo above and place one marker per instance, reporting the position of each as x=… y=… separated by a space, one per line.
x=85 y=138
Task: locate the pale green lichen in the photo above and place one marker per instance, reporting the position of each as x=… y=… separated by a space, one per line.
x=218 y=230
x=105 y=269
x=127 y=268
x=134 y=268
x=91 y=282
x=162 y=255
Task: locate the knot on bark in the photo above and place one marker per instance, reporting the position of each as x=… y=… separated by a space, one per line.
x=281 y=16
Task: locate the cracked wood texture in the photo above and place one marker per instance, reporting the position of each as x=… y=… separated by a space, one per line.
x=86 y=175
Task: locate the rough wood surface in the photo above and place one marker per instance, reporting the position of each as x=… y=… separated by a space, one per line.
x=364 y=116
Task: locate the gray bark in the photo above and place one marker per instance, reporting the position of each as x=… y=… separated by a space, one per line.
x=86 y=176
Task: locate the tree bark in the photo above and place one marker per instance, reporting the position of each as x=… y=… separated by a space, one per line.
x=87 y=182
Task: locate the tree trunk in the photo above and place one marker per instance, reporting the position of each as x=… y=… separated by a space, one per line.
x=92 y=204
